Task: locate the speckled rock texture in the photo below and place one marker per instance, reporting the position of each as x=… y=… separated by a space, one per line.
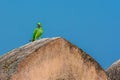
x=114 y=71
x=50 y=59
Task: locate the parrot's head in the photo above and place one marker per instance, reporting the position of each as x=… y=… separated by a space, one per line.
x=39 y=25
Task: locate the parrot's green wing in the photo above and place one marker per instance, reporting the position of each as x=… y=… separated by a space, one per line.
x=33 y=38
x=37 y=33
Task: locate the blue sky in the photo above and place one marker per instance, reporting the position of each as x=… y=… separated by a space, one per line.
x=93 y=25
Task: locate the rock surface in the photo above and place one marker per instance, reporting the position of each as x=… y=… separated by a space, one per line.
x=50 y=59
x=114 y=71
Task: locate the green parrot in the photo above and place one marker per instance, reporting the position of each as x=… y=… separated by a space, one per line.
x=37 y=32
